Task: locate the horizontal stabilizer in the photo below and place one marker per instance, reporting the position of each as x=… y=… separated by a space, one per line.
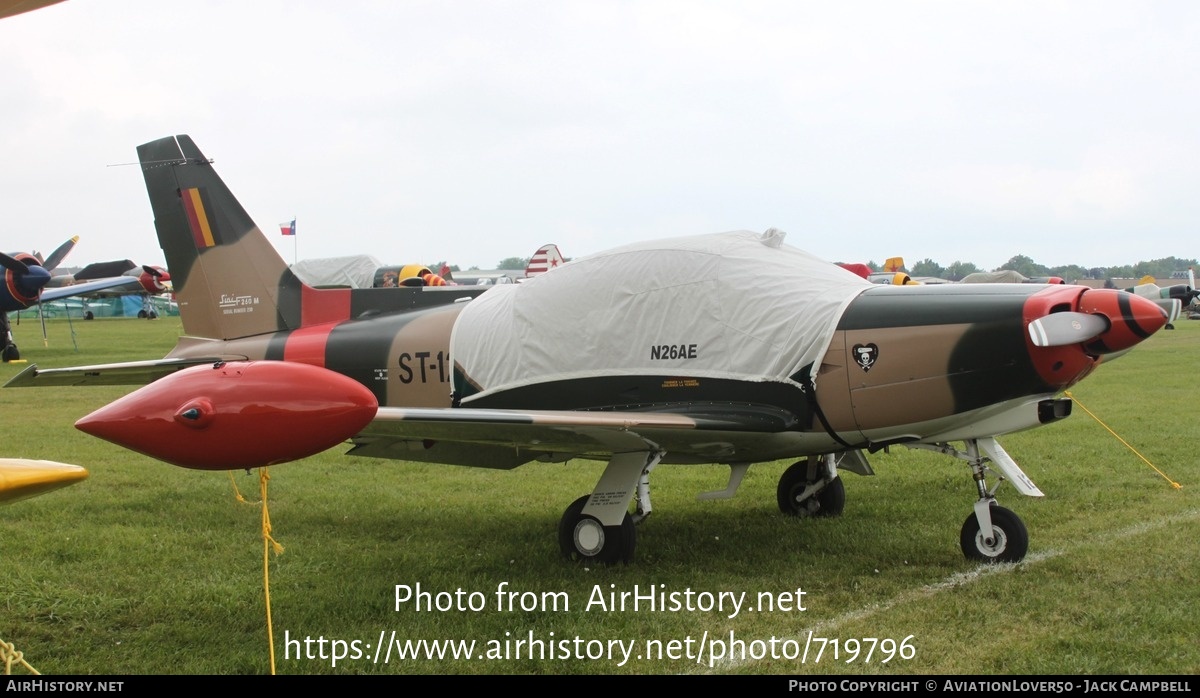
x=125 y=373
x=1060 y=329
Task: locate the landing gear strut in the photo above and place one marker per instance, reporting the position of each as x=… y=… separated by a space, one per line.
x=598 y=526
x=992 y=533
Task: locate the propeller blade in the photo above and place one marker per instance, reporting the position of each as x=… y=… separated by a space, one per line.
x=57 y=256
x=13 y=264
x=1060 y=329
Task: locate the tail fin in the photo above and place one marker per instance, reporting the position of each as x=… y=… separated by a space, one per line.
x=228 y=279
x=894 y=264
x=546 y=258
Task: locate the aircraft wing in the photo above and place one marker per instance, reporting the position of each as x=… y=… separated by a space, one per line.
x=507 y=438
x=90 y=287
x=125 y=373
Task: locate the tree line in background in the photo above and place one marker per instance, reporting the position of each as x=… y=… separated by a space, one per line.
x=1166 y=268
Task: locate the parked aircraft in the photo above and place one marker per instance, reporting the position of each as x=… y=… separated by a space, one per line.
x=544 y=259
x=893 y=273
x=364 y=271
x=119 y=278
x=731 y=348
x=26 y=275
x=28 y=281
x=1172 y=299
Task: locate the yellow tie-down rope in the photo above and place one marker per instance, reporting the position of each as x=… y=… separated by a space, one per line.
x=269 y=545
x=1074 y=399
x=11 y=655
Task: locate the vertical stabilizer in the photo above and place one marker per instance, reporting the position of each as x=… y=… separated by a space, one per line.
x=228 y=279
x=546 y=258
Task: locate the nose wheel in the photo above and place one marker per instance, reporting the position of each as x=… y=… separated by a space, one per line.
x=1008 y=540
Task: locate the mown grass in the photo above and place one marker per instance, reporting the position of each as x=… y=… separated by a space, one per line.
x=145 y=568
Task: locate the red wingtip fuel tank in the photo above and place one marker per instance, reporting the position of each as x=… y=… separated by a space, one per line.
x=1129 y=319
x=236 y=415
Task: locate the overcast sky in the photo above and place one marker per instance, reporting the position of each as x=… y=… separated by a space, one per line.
x=471 y=131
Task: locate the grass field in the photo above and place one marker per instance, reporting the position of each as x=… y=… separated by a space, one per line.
x=146 y=568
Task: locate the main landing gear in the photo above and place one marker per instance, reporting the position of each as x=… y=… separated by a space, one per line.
x=598 y=527
x=583 y=537
x=812 y=488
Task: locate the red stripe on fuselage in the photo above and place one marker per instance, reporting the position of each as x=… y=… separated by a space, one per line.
x=321 y=310
x=320 y=306
x=307 y=345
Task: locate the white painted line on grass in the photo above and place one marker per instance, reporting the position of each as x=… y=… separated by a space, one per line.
x=828 y=628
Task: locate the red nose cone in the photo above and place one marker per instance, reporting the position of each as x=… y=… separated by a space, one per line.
x=1132 y=318
x=1115 y=322
x=236 y=415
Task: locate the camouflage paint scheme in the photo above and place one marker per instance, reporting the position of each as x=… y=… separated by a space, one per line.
x=915 y=365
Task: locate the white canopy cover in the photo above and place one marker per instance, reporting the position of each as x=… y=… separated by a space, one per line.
x=354 y=271
x=737 y=305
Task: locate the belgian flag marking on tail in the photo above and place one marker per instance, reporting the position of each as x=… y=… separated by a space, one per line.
x=195 y=204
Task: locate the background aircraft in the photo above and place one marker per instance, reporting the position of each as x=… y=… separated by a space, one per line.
x=544 y=259
x=119 y=278
x=28 y=282
x=1172 y=299
x=731 y=348
x=893 y=273
x=364 y=271
x=26 y=275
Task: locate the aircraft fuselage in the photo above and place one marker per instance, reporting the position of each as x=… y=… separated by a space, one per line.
x=904 y=364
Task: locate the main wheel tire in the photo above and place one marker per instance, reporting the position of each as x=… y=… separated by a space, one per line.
x=1009 y=542
x=141 y=314
x=830 y=501
x=11 y=353
x=89 y=315
x=584 y=538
